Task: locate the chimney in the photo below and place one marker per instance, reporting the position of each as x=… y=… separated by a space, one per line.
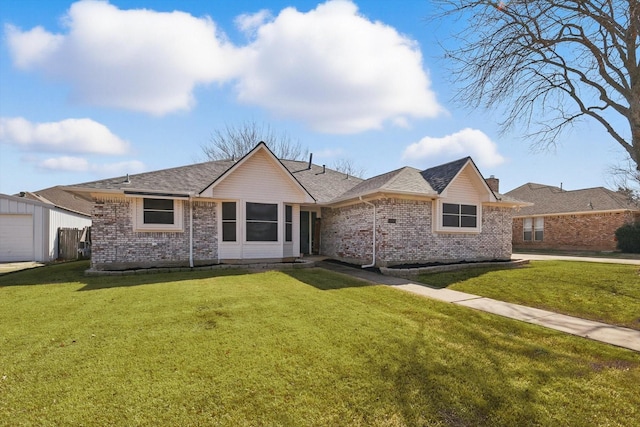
x=493 y=183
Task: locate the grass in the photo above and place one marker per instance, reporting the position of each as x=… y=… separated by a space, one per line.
x=608 y=293
x=304 y=347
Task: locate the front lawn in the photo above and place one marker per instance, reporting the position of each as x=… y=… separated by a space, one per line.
x=607 y=293
x=304 y=347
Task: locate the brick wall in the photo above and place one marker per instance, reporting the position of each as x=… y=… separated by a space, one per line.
x=405 y=234
x=594 y=232
x=117 y=246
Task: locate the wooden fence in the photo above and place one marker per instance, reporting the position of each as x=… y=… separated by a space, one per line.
x=74 y=243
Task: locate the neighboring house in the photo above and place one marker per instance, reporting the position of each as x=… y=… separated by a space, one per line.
x=570 y=220
x=260 y=208
x=29 y=223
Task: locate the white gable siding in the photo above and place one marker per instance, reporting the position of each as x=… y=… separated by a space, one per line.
x=259 y=179
x=466 y=188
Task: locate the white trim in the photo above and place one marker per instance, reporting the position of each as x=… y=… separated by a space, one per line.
x=438 y=212
x=138 y=217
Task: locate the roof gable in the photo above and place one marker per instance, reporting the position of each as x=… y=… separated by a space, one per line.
x=260 y=157
x=443 y=177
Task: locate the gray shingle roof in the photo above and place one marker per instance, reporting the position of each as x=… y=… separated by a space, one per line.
x=63 y=199
x=404 y=180
x=440 y=176
x=547 y=199
x=322 y=183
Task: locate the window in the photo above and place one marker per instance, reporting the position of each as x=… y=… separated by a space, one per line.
x=538 y=231
x=153 y=214
x=459 y=216
x=527 y=226
x=262 y=222
x=533 y=229
x=228 y=221
x=158 y=211
x=288 y=223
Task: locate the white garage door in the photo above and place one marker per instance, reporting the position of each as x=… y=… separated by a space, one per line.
x=16 y=238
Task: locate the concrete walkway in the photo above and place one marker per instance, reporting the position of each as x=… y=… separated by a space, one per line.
x=541 y=257
x=615 y=335
x=8 y=267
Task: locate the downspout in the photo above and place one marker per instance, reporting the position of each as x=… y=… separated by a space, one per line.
x=190 y=231
x=373 y=263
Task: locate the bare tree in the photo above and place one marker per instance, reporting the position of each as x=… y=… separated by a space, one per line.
x=233 y=142
x=551 y=62
x=626 y=179
x=347 y=166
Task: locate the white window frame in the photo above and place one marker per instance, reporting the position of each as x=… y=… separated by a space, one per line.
x=538 y=227
x=236 y=221
x=279 y=223
x=138 y=217
x=469 y=230
x=527 y=227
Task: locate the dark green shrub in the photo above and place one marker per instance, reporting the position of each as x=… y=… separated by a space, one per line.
x=628 y=237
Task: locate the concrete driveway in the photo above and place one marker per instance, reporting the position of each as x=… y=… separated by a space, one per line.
x=8 y=267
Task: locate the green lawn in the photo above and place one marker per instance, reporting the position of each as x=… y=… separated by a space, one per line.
x=304 y=347
x=608 y=293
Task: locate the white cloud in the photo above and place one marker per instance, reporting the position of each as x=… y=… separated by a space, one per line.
x=467 y=142
x=331 y=68
x=70 y=135
x=79 y=164
x=66 y=163
x=249 y=23
x=32 y=48
x=134 y=59
x=336 y=70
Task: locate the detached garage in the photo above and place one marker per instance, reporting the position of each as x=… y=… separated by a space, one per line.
x=29 y=228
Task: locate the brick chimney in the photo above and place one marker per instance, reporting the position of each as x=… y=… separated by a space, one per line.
x=493 y=183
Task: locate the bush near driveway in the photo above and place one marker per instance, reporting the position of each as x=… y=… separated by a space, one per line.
x=305 y=347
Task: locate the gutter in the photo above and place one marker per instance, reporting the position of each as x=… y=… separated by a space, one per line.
x=190 y=231
x=373 y=263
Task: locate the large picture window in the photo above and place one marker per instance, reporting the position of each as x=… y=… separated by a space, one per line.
x=262 y=222
x=158 y=211
x=459 y=216
x=229 y=220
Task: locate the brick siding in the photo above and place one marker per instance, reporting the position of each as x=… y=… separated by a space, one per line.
x=117 y=246
x=594 y=232
x=405 y=234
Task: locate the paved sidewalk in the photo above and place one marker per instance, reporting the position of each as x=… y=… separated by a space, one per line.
x=615 y=335
x=8 y=267
x=544 y=257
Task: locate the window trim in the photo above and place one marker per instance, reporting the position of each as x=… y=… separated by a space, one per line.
x=439 y=217
x=288 y=223
x=138 y=217
x=234 y=221
x=277 y=222
x=532 y=227
x=538 y=227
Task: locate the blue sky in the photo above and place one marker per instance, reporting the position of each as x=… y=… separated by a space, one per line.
x=93 y=89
